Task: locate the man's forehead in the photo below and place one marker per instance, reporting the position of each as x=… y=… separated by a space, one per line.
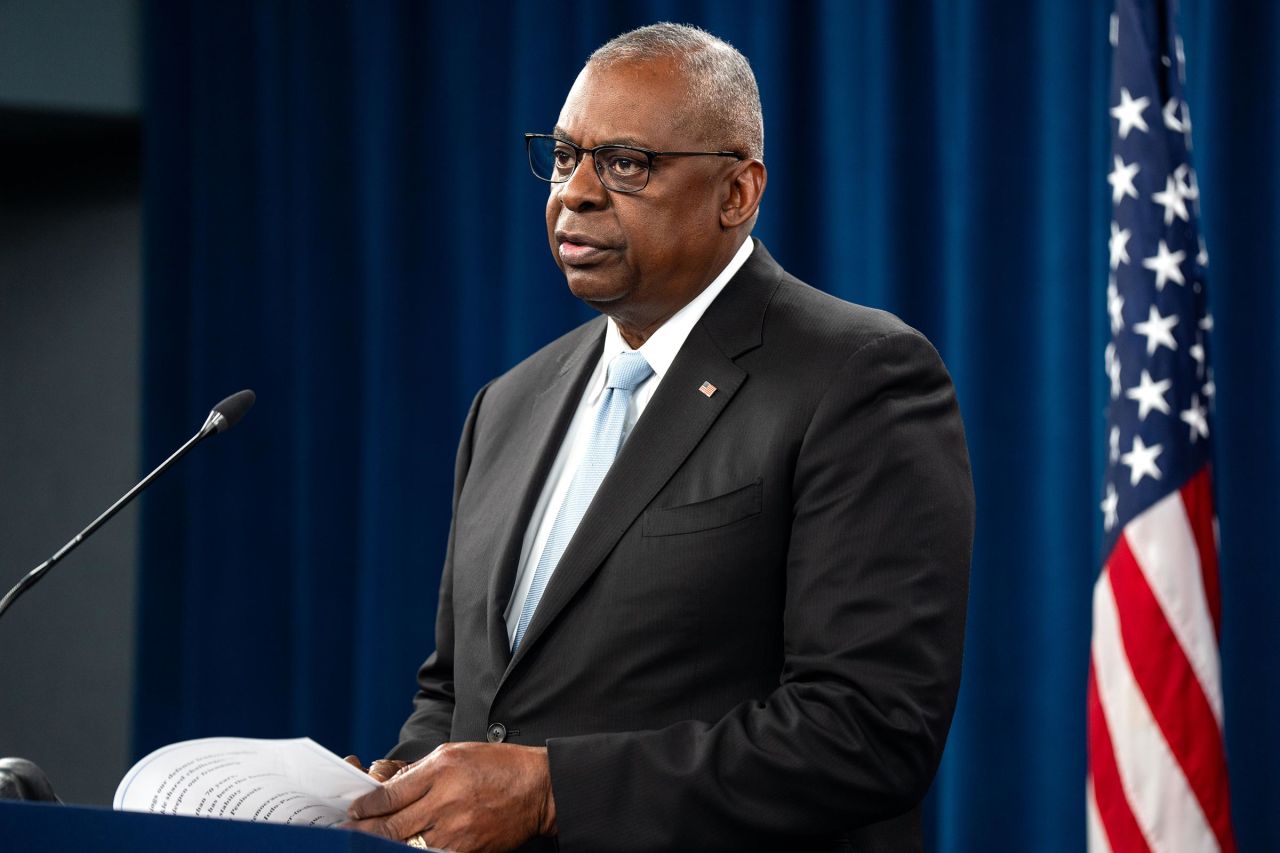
x=642 y=103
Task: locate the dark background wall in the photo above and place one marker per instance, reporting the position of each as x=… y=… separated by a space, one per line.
x=70 y=329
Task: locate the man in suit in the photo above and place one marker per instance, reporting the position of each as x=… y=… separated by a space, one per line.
x=744 y=629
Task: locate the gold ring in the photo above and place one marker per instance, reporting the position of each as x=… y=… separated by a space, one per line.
x=417 y=841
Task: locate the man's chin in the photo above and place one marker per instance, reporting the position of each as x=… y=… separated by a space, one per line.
x=597 y=290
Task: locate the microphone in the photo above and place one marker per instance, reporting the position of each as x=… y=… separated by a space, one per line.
x=23 y=780
x=228 y=413
x=224 y=416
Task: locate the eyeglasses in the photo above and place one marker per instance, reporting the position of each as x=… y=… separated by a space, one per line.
x=621 y=168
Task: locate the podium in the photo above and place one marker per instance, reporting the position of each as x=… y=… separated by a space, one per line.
x=53 y=828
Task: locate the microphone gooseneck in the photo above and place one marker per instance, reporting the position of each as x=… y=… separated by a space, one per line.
x=224 y=416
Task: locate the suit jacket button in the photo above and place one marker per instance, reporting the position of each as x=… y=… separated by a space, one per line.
x=497 y=733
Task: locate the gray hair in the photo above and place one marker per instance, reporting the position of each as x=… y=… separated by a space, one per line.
x=721 y=84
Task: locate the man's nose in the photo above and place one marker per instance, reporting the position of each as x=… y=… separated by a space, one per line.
x=583 y=189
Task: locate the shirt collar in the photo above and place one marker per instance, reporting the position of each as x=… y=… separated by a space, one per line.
x=663 y=345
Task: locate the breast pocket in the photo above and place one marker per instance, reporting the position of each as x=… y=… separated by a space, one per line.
x=707 y=514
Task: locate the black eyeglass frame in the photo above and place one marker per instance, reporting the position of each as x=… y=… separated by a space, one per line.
x=579 y=151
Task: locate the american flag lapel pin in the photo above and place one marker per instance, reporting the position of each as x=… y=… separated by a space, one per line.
x=707 y=388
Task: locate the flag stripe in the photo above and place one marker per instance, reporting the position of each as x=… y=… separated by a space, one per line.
x=1172 y=692
x=1162 y=802
x=1197 y=496
x=1165 y=548
x=1107 y=799
x=1097 y=834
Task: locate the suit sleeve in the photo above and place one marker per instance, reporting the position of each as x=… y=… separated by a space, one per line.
x=876 y=583
x=432 y=719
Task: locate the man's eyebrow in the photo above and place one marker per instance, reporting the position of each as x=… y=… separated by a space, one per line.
x=628 y=141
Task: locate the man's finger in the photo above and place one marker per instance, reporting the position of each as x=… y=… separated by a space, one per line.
x=384 y=768
x=398 y=825
x=406 y=787
x=371 y=804
x=355 y=762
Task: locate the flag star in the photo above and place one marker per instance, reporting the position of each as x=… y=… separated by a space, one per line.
x=1114 y=34
x=1157 y=330
x=1186 y=123
x=1165 y=265
x=1182 y=58
x=1119 y=246
x=1113 y=441
x=1141 y=461
x=1115 y=306
x=1121 y=180
x=1170 y=115
x=1172 y=200
x=1129 y=113
x=1197 y=417
x=1150 y=395
x=1113 y=369
x=1209 y=390
x=1206 y=323
x=1187 y=183
x=1196 y=351
x=1108 y=507
x=1202 y=257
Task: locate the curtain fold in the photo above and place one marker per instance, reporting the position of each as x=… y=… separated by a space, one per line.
x=339 y=215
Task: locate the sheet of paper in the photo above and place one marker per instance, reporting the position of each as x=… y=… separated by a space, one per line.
x=278 y=781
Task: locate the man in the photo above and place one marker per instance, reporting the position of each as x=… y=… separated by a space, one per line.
x=744 y=630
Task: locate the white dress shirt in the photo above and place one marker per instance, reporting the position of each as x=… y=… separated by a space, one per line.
x=660 y=351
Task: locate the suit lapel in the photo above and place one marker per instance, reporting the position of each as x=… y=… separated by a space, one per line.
x=672 y=425
x=549 y=416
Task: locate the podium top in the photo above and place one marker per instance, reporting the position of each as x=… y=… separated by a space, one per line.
x=54 y=828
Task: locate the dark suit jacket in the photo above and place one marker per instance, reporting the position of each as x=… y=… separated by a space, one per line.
x=754 y=638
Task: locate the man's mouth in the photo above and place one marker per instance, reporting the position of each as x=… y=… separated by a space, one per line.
x=580 y=249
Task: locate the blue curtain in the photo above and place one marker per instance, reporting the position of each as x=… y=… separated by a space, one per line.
x=339 y=215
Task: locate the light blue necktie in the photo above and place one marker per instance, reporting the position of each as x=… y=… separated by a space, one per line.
x=626 y=371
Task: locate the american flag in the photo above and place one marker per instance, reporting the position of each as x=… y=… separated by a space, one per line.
x=1157 y=763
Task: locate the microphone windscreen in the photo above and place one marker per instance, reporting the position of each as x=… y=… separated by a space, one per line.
x=234 y=407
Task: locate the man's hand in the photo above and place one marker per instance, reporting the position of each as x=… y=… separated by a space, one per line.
x=464 y=796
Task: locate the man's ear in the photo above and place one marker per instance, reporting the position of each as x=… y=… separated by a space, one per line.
x=746 y=182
